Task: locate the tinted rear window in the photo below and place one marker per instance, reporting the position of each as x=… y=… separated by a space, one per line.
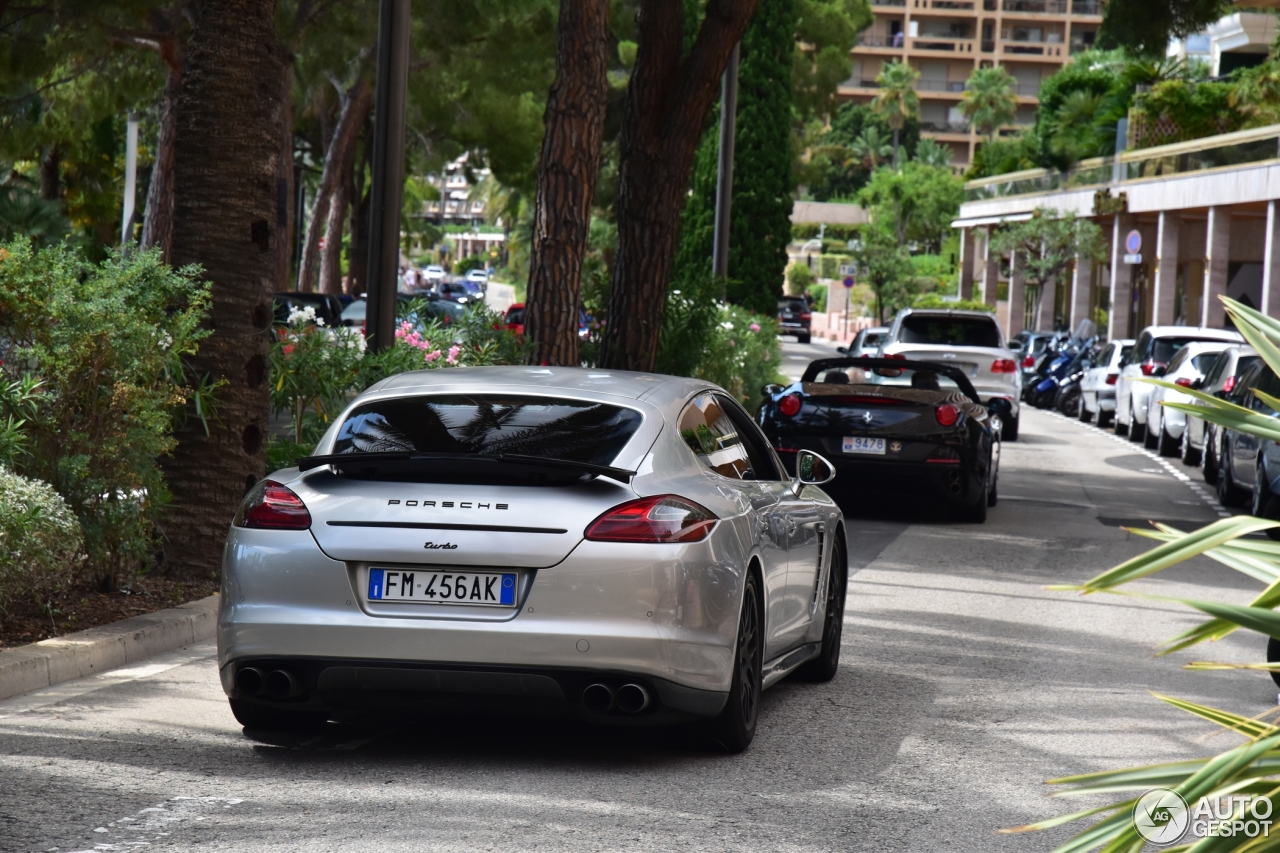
x=949 y=331
x=516 y=316
x=1164 y=349
x=482 y=424
x=1203 y=361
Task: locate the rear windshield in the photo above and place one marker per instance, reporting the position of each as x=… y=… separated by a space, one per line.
x=792 y=305
x=516 y=316
x=484 y=424
x=1203 y=361
x=872 y=340
x=1164 y=349
x=949 y=331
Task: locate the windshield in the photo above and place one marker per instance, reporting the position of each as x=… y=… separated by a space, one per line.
x=949 y=331
x=1164 y=349
x=490 y=424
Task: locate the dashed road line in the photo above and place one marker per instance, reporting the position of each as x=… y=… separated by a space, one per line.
x=1209 y=498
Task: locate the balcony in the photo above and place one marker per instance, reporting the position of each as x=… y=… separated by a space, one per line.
x=1035 y=7
x=945 y=127
x=1086 y=7
x=880 y=40
x=925 y=85
x=948 y=44
x=898 y=3
x=942 y=5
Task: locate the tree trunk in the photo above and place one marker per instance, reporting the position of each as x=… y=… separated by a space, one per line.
x=666 y=106
x=286 y=198
x=896 y=131
x=567 y=171
x=226 y=163
x=331 y=257
x=51 y=174
x=356 y=103
x=157 y=219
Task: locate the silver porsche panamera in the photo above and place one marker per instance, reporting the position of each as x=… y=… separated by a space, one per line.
x=624 y=547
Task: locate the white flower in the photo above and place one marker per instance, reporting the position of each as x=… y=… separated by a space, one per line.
x=166 y=341
x=302 y=316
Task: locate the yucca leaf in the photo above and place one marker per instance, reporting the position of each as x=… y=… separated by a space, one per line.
x=1066 y=818
x=1216 y=629
x=1254 y=618
x=1246 y=726
x=1257 y=329
x=1264 y=426
x=1171 y=553
x=1209 y=665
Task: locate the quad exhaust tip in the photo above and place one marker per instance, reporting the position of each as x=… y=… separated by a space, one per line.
x=283 y=684
x=632 y=698
x=249 y=680
x=598 y=697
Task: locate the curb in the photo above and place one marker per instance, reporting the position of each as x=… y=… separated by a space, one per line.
x=96 y=650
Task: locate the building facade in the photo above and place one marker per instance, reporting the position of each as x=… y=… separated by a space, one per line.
x=945 y=40
x=1185 y=224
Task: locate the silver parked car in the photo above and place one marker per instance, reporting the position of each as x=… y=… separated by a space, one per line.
x=1098 y=387
x=621 y=546
x=866 y=343
x=1200 y=439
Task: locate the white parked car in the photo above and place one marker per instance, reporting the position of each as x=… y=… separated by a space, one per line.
x=478 y=276
x=1199 y=439
x=1098 y=387
x=1156 y=347
x=1187 y=370
x=969 y=340
x=434 y=274
x=867 y=342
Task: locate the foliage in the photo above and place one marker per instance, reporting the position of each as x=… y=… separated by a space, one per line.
x=466 y=265
x=818 y=293
x=884 y=263
x=23 y=213
x=40 y=539
x=315 y=371
x=799 y=278
x=843 y=157
x=897 y=99
x=989 y=101
x=931 y=152
x=1250 y=769
x=917 y=202
x=824 y=32
x=1195 y=110
x=20 y=401
x=1002 y=156
x=1145 y=28
x=1049 y=242
x=1257 y=93
x=107 y=343
x=934 y=300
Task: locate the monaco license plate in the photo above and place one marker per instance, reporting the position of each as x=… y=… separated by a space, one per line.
x=859 y=444
x=417 y=586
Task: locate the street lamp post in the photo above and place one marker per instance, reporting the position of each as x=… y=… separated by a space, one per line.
x=387 y=187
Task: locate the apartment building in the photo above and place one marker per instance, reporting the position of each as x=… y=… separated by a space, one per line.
x=945 y=40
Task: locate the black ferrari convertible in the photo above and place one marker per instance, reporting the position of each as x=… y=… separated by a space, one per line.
x=892 y=427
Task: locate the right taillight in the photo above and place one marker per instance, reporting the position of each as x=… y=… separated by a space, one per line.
x=1029 y=361
x=1112 y=377
x=1004 y=365
x=272 y=506
x=664 y=518
x=946 y=415
x=1228 y=385
x=790 y=405
x=1184 y=382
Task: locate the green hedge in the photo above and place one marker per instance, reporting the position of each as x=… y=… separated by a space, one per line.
x=40 y=538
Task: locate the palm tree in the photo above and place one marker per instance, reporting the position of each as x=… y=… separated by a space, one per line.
x=931 y=152
x=869 y=148
x=897 y=100
x=989 y=101
x=1074 y=127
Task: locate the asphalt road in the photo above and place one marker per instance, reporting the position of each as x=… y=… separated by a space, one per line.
x=964 y=685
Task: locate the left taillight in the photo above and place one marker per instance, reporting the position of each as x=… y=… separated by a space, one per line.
x=271 y=506
x=664 y=518
x=1004 y=365
x=1184 y=382
x=946 y=414
x=790 y=405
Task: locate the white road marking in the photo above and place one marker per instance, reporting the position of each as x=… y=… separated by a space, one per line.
x=153 y=823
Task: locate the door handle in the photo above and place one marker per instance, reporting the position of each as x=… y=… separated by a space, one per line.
x=791 y=525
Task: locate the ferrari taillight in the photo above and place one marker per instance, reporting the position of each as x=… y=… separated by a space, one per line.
x=664 y=518
x=790 y=405
x=946 y=414
x=1004 y=365
x=272 y=506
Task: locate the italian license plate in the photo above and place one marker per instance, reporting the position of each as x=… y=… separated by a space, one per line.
x=859 y=444
x=432 y=587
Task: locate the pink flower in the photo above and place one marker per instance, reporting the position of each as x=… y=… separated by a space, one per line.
x=432 y=356
x=453 y=354
x=755 y=327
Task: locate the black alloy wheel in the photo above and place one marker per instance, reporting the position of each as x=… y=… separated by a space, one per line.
x=1168 y=445
x=251 y=715
x=825 y=666
x=1190 y=456
x=735 y=728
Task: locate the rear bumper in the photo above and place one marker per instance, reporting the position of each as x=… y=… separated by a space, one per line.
x=947 y=485
x=792 y=326
x=353 y=687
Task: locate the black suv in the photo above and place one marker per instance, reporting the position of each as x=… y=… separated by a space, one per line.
x=794 y=316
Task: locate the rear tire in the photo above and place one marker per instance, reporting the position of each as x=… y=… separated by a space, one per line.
x=1083 y=413
x=803 y=339
x=1190 y=456
x=254 y=716
x=1265 y=504
x=1105 y=419
x=735 y=728
x=1121 y=428
x=1009 y=430
x=1168 y=446
x=993 y=496
x=1229 y=494
x=1273 y=656
x=1137 y=431
x=1210 y=471
x=825 y=666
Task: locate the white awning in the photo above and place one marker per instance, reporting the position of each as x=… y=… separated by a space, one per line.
x=990 y=220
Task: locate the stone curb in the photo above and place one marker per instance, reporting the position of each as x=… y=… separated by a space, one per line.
x=96 y=650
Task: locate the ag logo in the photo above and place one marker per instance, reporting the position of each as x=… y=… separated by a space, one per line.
x=1161 y=816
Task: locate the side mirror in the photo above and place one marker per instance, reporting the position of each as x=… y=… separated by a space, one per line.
x=842 y=350
x=1198 y=384
x=812 y=469
x=771 y=389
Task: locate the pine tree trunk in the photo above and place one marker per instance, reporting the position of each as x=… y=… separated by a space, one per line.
x=226 y=164
x=356 y=104
x=667 y=103
x=331 y=257
x=157 y=219
x=567 y=171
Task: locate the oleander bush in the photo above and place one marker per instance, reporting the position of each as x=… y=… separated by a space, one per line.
x=106 y=343
x=40 y=538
